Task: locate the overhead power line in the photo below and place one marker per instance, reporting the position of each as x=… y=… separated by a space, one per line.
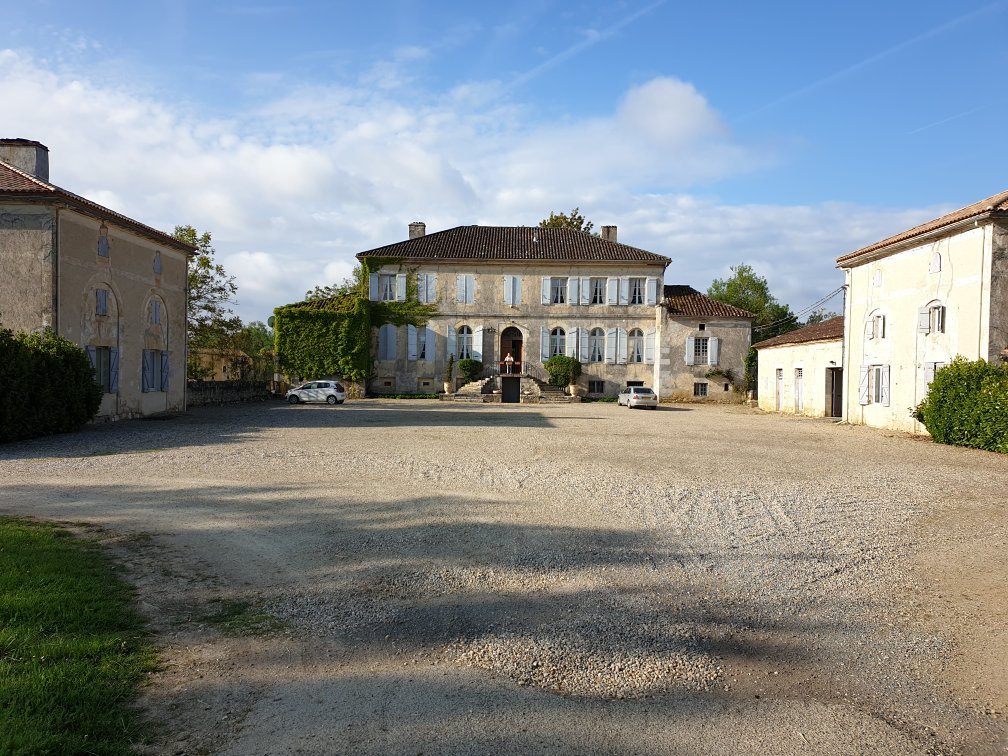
x=801 y=313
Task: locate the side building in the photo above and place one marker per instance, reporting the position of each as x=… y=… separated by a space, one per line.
x=99 y=279
x=527 y=292
x=801 y=372
x=915 y=301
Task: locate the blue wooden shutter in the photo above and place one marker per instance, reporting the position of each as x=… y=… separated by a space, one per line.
x=712 y=350
x=165 y=370
x=400 y=288
x=90 y=351
x=477 y=344
x=113 y=370
x=583 y=343
x=649 y=342
x=544 y=350
x=585 y=291
x=651 y=296
x=146 y=370
x=624 y=290
x=373 y=287
x=610 y=345
x=546 y=290
x=572 y=290
x=450 y=333
x=570 y=348
x=885 y=385
x=690 y=349
x=612 y=291
x=621 y=346
x=411 y=342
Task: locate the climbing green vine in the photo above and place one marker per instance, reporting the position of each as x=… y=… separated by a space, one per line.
x=330 y=332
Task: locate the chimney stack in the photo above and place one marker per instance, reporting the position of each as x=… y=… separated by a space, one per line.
x=26 y=155
x=417 y=229
x=609 y=233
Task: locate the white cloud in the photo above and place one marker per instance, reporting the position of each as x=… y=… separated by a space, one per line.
x=292 y=190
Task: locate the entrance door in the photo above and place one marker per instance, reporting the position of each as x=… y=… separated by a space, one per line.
x=510 y=389
x=511 y=343
x=779 y=390
x=799 y=391
x=834 y=392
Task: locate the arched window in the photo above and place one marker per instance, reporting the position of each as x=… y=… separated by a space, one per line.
x=596 y=345
x=558 y=341
x=875 y=326
x=464 y=343
x=936 y=262
x=635 y=345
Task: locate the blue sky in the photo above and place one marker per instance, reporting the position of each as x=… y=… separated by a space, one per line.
x=781 y=135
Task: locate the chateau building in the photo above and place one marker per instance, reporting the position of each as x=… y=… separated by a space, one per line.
x=530 y=293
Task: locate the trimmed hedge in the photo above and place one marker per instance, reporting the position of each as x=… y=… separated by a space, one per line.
x=471 y=370
x=47 y=385
x=563 y=370
x=967 y=405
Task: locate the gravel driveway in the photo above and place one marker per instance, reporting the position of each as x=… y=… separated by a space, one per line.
x=438 y=578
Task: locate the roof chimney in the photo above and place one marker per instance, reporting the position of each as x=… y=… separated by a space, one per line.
x=26 y=155
x=609 y=233
x=417 y=229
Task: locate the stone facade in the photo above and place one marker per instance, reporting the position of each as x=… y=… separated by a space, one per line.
x=99 y=279
x=533 y=293
x=916 y=301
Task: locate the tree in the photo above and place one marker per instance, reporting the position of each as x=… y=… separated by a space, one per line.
x=561 y=220
x=820 y=315
x=254 y=338
x=751 y=292
x=210 y=321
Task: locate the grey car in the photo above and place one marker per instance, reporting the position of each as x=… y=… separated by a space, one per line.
x=637 y=396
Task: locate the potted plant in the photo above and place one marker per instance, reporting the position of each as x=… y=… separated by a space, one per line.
x=448 y=374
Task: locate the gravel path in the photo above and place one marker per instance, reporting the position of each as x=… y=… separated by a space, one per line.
x=564 y=579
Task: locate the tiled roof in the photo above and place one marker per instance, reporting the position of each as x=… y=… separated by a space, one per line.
x=828 y=330
x=996 y=205
x=688 y=302
x=15 y=183
x=514 y=243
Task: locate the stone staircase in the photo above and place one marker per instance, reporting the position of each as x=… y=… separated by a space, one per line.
x=474 y=391
x=549 y=394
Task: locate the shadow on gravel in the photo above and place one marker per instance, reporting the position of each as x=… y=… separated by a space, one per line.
x=211 y=426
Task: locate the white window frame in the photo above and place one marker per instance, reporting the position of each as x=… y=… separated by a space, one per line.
x=596 y=345
x=700 y=389
x=638 y=291
x=557 y=341
x=465 y=288
x=635 y=346
x=701 y=350
x=558 y=290
x=598 y=291
x=386 y=287
x=464 y=342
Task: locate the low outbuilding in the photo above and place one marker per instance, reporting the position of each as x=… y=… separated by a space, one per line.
x=801 y=372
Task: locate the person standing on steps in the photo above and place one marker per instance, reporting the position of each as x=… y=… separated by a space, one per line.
x=508 y=363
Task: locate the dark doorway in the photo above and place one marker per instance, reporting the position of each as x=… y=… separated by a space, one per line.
x=510 y=389
x=834 y=392
x=511 y=343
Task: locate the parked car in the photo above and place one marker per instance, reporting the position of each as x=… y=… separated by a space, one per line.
x=330 y=392
x=637 y=396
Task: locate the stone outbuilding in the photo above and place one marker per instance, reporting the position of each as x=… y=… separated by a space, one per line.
x=704 y=344
x=801 y=372
x=100 y=279
x=915 y=301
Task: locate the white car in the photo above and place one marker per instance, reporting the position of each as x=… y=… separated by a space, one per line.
x=637 y=396
x=330 y=392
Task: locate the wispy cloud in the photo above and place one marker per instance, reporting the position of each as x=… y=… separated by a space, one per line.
x=873 y=59
x=957 y=116
x=591 y=39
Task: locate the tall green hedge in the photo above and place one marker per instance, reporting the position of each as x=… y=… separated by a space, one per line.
x=47 y=385
x=967 y=405
x=562 y=370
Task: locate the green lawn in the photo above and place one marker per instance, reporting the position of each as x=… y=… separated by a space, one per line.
x=72 y=647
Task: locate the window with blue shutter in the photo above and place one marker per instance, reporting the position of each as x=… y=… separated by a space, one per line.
x=147 y=371
x=165 y=370
x=113 y=384
x=101 y=302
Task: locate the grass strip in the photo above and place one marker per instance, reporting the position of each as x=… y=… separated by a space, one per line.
x=73 y=648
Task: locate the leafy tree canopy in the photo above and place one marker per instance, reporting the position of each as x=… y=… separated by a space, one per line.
x=562 y=220
x=210 y=320
x=254 y=338
x=821 y=315
x=751 y=292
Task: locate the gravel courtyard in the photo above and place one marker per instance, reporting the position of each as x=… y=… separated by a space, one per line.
x=424 y=577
